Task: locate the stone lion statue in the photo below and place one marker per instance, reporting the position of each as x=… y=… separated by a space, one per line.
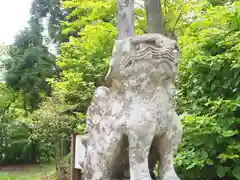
x=133 y=124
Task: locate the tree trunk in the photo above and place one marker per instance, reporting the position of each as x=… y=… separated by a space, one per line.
x=125 y=18
x=155 y=20
x=125 y=27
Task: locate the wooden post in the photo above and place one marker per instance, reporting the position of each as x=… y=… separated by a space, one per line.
x=75 y=173
x=125 y=27
x=155 y=21
x=125 y=18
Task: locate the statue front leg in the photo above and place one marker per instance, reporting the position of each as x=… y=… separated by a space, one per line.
x=139 y=147
x=101 y=157
x=166 y=170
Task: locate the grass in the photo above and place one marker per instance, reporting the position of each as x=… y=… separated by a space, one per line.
x=30 y=172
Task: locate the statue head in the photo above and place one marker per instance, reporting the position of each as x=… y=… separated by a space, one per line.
x=149 y=59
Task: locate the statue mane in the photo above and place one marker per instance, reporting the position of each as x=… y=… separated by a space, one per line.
x=146 y=60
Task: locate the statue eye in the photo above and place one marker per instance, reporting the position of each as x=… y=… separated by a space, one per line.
x=137 y=47
x=159 y=43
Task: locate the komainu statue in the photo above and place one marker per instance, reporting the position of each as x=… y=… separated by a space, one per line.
x=133 y=125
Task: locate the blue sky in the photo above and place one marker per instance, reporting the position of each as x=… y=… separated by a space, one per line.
x=14 y=15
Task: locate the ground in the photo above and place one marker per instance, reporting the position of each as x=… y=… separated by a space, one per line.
x=27 y=172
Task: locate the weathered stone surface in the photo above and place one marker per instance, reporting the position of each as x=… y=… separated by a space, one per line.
x=133 y=124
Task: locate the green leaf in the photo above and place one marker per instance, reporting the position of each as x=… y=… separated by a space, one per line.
x=221 y=171
x=236 y=172
x=229 y=133
x=209 y=162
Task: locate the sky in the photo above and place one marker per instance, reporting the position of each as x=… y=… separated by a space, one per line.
x=14 y=15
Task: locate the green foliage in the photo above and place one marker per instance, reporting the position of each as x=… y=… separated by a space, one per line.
x=51 y=10
x=28 y=67
x=210 y=59
x=52 y=129
x=30 y=62
x=208 y=88
x=49 y=124
x=16 y=147
x=209 y=150
x=84 y=58
x=178 y=14
x=219 y=2
x=14 y=134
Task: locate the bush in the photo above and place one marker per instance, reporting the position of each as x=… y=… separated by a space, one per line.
x=209 y=89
